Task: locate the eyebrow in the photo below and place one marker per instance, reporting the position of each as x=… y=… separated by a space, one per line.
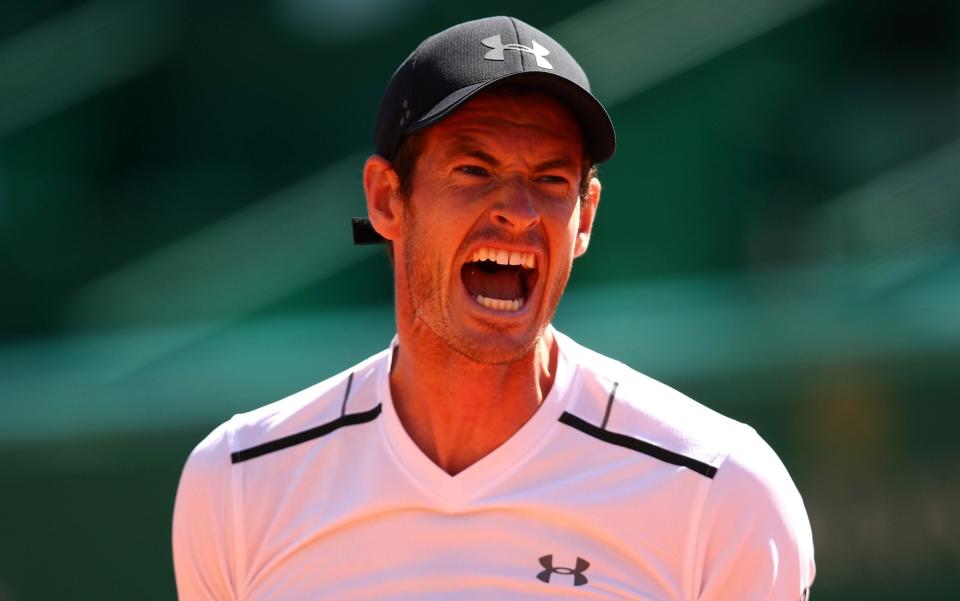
x=468 y=147
x=558 y=163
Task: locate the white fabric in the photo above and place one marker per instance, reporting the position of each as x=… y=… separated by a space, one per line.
x=361 y=513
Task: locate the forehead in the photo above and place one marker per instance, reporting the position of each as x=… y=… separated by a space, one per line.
x=514 y=120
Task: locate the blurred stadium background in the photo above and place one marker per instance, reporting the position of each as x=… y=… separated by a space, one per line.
x=779 y=237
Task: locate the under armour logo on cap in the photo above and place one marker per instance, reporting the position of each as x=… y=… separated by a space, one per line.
x=497 y=45
x=578 y=578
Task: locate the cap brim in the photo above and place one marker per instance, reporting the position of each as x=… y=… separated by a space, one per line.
x=598 y=133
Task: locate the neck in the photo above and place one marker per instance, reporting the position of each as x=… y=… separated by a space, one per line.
x=458 y=410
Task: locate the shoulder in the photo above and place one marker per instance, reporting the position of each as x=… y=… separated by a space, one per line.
x=754 y=532
x=752 y=527
x=754 y=491
x=633 y=404
x=351 y=392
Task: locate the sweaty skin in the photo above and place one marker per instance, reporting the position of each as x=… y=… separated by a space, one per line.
x=504 y=172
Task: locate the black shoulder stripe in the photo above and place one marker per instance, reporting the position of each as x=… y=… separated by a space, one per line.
x=351 y=419
x=638 y=445
x=606 y=413
x=346 y=395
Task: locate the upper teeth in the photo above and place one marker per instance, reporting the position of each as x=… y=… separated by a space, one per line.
x=505 y=257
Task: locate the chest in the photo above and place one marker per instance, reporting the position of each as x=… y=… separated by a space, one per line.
x=563 y=525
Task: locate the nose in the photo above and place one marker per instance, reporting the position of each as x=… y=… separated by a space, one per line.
x=516 y=210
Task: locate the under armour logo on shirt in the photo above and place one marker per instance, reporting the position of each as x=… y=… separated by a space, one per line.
x=578 y=578
x=496 y=54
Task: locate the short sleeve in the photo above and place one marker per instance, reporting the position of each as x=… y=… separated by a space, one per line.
x=755 y=542
x=203 y=537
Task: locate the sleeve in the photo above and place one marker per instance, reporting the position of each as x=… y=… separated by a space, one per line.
x=755 y=542
x=203 y=537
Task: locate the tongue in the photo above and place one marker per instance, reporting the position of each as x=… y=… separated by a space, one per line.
x=502 y=283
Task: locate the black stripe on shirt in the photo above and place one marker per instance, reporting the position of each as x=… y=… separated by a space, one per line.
x=641 y=446
x=346 y=395
x=351 y=419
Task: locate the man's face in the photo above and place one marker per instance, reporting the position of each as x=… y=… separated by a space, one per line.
x=497 y=182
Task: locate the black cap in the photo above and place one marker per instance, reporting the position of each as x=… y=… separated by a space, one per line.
x=449 y=68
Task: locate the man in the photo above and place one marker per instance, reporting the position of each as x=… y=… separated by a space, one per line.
x=484 y=455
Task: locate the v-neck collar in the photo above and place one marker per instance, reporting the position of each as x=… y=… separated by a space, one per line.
x=454 y=491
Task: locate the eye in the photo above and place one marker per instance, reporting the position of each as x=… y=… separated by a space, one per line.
x=474 y=170
x=553 y=179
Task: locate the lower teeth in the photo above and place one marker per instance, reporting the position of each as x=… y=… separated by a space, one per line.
x=500 y=304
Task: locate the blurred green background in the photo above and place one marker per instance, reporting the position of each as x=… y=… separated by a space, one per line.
x=779 y=237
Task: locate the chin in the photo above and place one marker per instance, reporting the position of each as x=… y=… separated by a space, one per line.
x=495 y=348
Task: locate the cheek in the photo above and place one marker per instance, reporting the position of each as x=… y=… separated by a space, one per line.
x=563 y=239
x=563 y=223
x=427 y=254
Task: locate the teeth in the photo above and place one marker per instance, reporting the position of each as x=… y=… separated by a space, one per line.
x=500 y=304
x=505 y=257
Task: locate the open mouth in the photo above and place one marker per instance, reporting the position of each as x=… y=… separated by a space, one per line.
x=500 y=279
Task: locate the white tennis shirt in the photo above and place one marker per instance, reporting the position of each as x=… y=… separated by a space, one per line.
x=618 y=487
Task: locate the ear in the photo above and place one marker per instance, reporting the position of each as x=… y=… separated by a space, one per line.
x=588 y=211
x=384 y=203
